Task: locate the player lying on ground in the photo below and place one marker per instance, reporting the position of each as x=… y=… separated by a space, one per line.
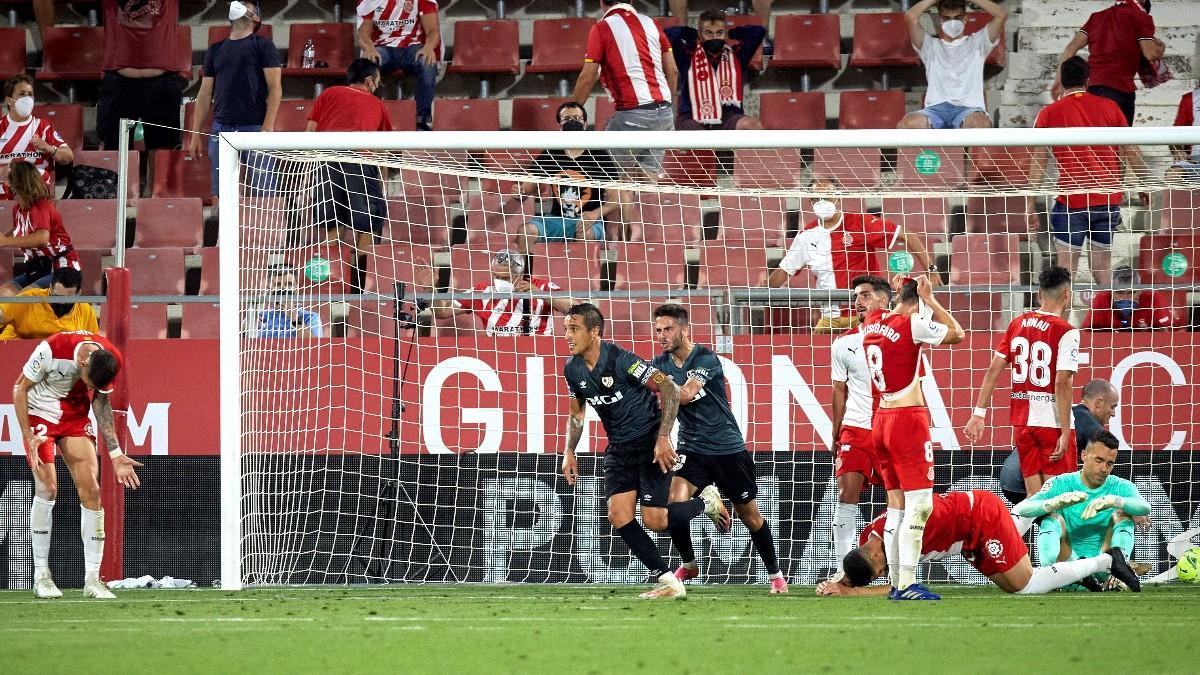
x=855 y=464
x=711 y=448
x=639 y=457
x=66 y=373
x=1086 y=511
x=977 y=525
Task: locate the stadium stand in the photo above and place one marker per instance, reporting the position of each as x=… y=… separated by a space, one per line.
x=573 y=266
x=12 y=50
x=881 y=40
x=169 y=222
x=650 y=266
x=333 y=44
x=558 y=44
x=90 y=222
x=67 y=119
x=177 y=175
x=72 y=54
x=486 y=47
x=792 y=110
x=157 y=271
x=466 y=115
x=808 y=41
x=109 y=159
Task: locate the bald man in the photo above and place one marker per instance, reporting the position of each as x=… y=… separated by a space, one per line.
x=1100 y=400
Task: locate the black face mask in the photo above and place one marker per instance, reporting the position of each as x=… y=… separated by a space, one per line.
x=714 y=47
x=1146 y=4
x=573 y=125
x=61 y=309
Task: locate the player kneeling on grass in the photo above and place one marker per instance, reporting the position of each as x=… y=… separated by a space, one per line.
x=712 y=452
x=977 y=525
x=1086 y=511
x=65 y=374
x=639 y=457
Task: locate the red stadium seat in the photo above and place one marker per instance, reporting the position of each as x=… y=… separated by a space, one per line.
x=930 y=168
x=535 y=114
x=201 y=320
x=733 y=21
x=466 y=115
x=926 y=217
x=311 y=262
x=604 y=110
x=177 y=175
x=472 y=266
x=91 y=261
x=981 y=259
x=976 y=311
x=691 y=168
x=1001 y=166
x=792 y=110
x=767 y=169
x=758 y=219
x=807 y=41
x=493 y=218
x=431 y=184
x=92 y=223
x=391 y=263
x=573 y=265
x=483 y=47
x=977 y=21
x=220 y=32
x=732 y=264
x=293 y=115
x=419 y=220
x=67 y=120
x=109 y=159
x=630 y=320
x=403 y=114
x=72 y=53
x=1181 y=210
x=147 y=321
x=881 y=40
x=644 y=266
x=1001 y=215
x=332 y=42
x=558 y=45
x=210 y=272
x=169 y=222
x=12 y=51
x=870 y=109
x=156 y=271
x=853 y=167
x=668 y=217
x=1154 y=251
x=189 y=110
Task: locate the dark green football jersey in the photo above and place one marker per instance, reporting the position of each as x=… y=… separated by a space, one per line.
x=706 y=424
x=616 y=388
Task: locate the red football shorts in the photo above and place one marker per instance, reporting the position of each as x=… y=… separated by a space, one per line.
x=856 y=454
x=1034 y=447
x=996 y=547
x=63 y=429
x=903 y=448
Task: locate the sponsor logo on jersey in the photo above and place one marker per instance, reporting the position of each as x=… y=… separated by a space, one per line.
x=604 y=400
x=607 y=381
x=698 y=374
x=638 y=369
x=583 y=384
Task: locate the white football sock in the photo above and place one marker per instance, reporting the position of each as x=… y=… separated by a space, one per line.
x=40 y=522
x=1046 y=579
x=843 y=530
x=1023 y=524
x=91 y=529
x=891 y=542
x=918 y=504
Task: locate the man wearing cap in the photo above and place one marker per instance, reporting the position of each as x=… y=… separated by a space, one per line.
x=1129 y=309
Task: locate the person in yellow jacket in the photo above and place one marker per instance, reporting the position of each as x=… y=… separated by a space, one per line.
x=39 y=320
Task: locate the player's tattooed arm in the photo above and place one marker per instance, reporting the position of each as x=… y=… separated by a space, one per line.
x=570 y=467
x=107 y=426
x=668 y=399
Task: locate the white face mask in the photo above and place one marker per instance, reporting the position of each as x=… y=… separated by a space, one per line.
x=824 y=209
x=953 y=28
x=23 y=106
x=502 y=285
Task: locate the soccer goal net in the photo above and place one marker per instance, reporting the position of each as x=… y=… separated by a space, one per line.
x=393 y=407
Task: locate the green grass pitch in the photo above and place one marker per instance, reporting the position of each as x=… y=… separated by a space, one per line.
x=597 y=629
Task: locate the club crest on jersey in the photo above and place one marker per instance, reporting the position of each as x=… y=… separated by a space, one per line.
x=994 y=548
x=931 y=473
x=583 y=384
x=607 y=381
x=847 y=238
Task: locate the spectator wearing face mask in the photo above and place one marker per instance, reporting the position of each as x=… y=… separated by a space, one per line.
x=283 y=317
x=1130 y=309
x=40 y=320
x=713 y=63
x=837 y=247
x=25 y=137
x=405 y=37
x=953 y=65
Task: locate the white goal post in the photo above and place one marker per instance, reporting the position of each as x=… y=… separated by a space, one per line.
x=315 y=488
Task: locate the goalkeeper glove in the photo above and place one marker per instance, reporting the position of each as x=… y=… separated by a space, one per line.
x=1098 y=505
x=1064 y=500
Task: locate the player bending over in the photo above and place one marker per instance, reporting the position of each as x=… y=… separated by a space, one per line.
x=66 y=373
x=1042 y=352
x=977 y=525
x=711 y=448
x=1086 y=511
x=900 y=429
x=639 y=456
x=855 y=464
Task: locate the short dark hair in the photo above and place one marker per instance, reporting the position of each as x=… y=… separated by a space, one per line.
x=1106 y=438
x=908 y=292
x=102 y=368
x=711 y=16
x=951 y=4
x=11 y=84
x=591 y=315
x=1074 y=72
x=880 y=284
x=69 y=277
x=567 y=105
x=832 y=180
x=673 y=311
x=1051 y=279
x=858 y=568
x=360 y=69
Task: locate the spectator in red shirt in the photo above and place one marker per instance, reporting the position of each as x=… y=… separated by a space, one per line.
x=141 y=71
x=1078 y=216
x=1117 y=39
x=404 y=36
x=1187 y=160
x=349 y=193
x=37 y=230
x=1131 y=310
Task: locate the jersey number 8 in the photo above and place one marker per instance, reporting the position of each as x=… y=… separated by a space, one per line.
x=1030 y=362
x=875 y=365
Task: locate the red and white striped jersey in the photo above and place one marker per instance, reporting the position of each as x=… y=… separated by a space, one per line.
x=837 y=255
x=513 y=315
x=397 y=22
x=1036 y=346
x=893 y=347
x=44 y=216
x=629 y=48
x=16 y=144
x=58 y=393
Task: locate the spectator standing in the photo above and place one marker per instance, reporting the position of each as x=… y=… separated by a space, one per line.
x=1187 y=160
x=283 y=317
x=404 y=36
x=24 y=137
x=713 y=62
x=40 y=320
x=37 y=230
x=631 y=57
x=242 y=76
x=1117 y=39
x=1130 y=309
x=953 y=65
x=141 y=71
x=1079 y=217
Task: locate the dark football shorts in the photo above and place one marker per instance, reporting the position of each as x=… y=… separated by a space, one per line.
x=630 y=467
x=732 y=473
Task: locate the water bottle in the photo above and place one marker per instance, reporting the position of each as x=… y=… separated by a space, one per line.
x=310 y=55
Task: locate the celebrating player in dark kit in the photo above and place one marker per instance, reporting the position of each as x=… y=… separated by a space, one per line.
x=711 y=448
x=639 y=456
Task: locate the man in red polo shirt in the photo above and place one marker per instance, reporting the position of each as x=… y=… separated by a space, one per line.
x=837 y=247
x=1117 y=39
x=1187 y=158
x=1130 y=309
x=1091 y=216
x=631 y=57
